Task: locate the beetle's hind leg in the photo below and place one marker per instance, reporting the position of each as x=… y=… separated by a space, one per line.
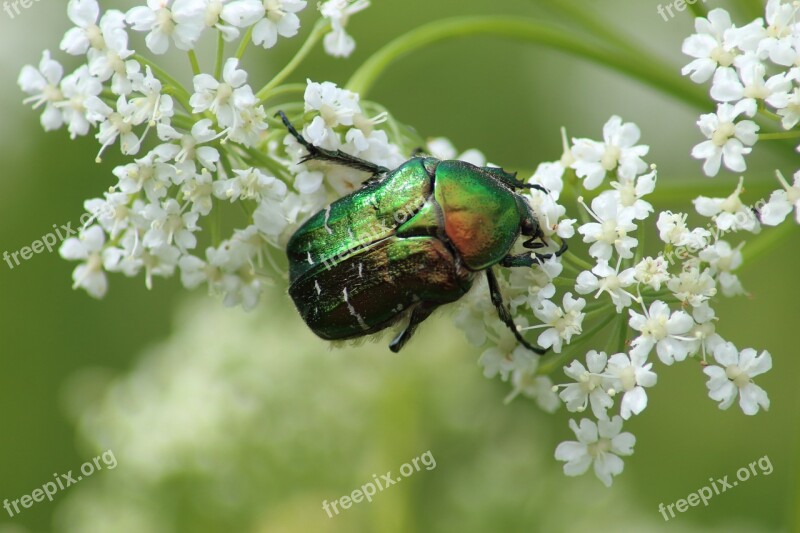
x=334 y=156
x=505 y=316
x=422 y=311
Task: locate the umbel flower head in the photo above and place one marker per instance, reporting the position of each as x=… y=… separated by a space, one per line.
x=194 y=148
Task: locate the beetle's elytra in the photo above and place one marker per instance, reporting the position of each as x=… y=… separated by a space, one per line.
x=409 y=240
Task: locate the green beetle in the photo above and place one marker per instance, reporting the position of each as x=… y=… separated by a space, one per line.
x=408 y=241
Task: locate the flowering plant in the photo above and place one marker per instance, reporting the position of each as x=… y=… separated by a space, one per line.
x=607 y=310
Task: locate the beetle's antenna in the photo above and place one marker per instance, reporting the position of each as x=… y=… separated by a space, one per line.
x=334 y=156
x=523 y=185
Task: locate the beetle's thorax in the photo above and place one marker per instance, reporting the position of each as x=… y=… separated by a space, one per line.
x=480 y=214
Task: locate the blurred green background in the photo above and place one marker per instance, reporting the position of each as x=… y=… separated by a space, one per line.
x=321 y=422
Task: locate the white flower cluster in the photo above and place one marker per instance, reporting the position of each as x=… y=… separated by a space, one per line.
x=195 y=149
x=660 y=303
x=754 y=71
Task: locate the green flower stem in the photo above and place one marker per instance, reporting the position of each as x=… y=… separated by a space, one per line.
x=184 y=121
x=530 y=31
x=320 y=28
x=178 y=90
x=290 y=108
x=569 y=267
x=195 y=64
x=623 y=333
x=767 y=113
x=289 y=88
x=564 y=282
x=594 y=304
x=276 y=168
x=793 y=134
x=591 y=22
x=244 y=42
x=639 y=249
x=604 y=309
x=220 y=56
x=650 y=298
x=179 y=95
x=551 y=363
x=577 y=261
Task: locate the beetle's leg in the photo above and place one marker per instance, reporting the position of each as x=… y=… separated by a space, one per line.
x=422 y=311
x=334 y=156
x=505 y=316
x=523 y=185
x=528 y=260
x=533 y=244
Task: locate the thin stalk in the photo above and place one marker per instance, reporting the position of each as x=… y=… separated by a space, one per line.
x=195 y=64
x=179 y=95
x=564 y=282
x=289 y=88
x=623 y=333
x=244 y=42
x=640 y=248
x=577 y=261
x=180 y=92
x=184 y=121
x=266 y=161
x=591 y=21
x=320 y=28
x=778 y=136
x=220 y=56
x=548 y=366
x=767 y=113
x=530 y=31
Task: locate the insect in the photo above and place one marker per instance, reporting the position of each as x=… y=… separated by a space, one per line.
x=408 y=241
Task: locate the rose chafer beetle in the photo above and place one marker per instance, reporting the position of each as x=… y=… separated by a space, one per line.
x=408 y=241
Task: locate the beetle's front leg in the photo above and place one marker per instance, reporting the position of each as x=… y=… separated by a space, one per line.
x=505 y=316
x=528 y=260
x=333 y=156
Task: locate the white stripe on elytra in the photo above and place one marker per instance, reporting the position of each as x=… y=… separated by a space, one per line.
x=353 y=311
x=327 y=217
